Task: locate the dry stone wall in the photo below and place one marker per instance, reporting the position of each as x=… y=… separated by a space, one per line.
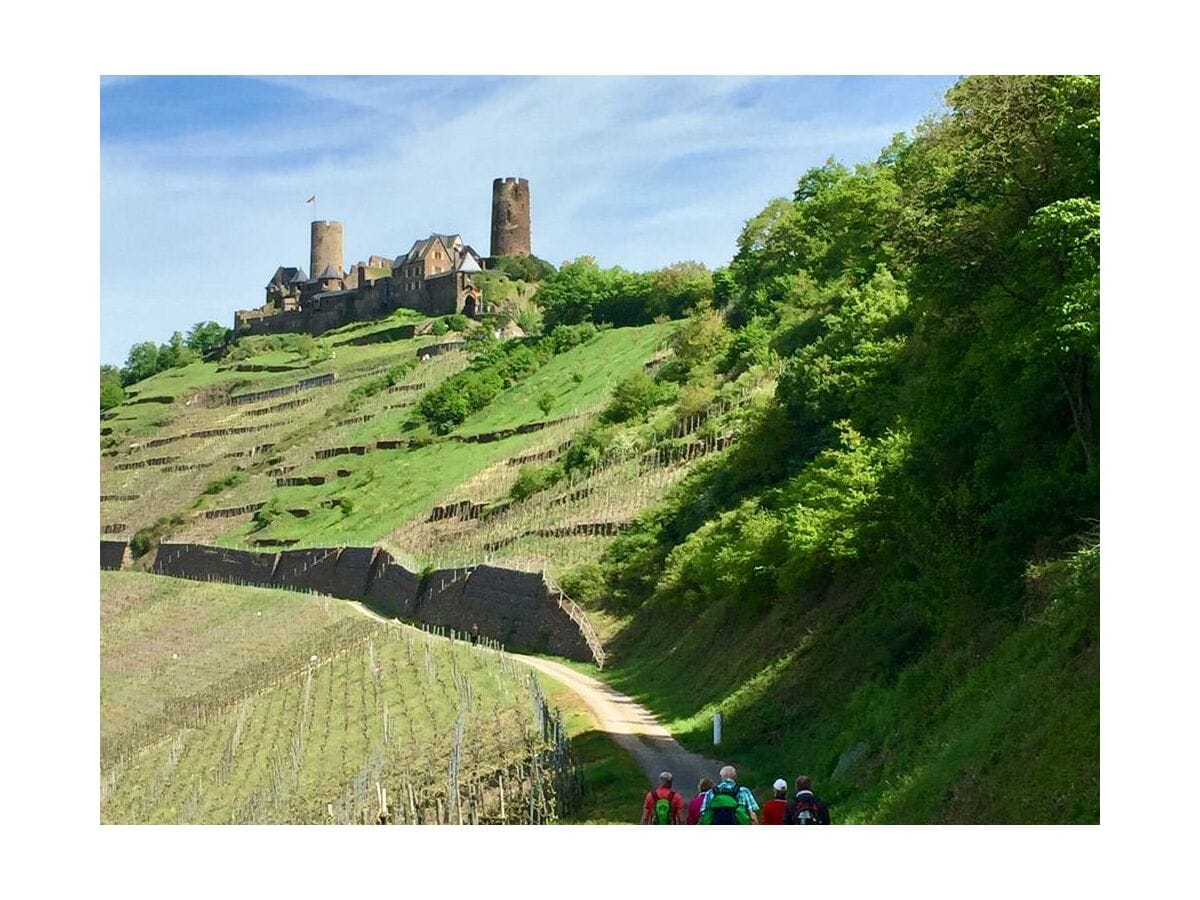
x=520 y=609
x=113 y=554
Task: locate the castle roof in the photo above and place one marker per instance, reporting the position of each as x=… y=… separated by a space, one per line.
x=328 y=272
x=285 y=275
x=297 y=276
x=452 y=243
x=468 y=260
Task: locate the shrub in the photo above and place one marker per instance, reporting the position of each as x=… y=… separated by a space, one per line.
x=633 y=398
x=146 y=538
x=587 y=449
x=224 y=483
x=265 y=515
x=532 y=479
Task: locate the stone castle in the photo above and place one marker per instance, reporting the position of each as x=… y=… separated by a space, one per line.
x=436 y=276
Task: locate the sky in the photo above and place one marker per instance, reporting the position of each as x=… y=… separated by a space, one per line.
x=203 y=180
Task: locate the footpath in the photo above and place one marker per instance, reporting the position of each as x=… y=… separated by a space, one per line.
x=632 y=727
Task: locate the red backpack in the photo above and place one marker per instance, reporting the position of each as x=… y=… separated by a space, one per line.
x=805 y=810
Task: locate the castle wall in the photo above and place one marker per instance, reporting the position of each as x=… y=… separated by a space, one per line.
x=444 y=295
x=510 y=217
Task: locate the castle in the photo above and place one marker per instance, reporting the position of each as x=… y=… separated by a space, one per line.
x=436 y=275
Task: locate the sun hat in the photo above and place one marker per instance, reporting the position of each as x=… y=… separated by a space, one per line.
x=780 y=784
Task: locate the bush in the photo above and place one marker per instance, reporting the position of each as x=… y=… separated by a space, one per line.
x=456 y=322
x=587 y=449
x=633 y=398
x=444 y=407
x=224 y=483
x=145 y=539
x=533 y=479
x=265 y=515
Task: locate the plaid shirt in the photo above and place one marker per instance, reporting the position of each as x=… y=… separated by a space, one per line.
x=745 y=798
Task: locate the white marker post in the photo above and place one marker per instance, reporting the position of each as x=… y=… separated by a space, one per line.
x=717 y=730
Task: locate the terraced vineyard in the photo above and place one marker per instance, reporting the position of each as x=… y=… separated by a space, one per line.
x=228 y=704
x=274 y=452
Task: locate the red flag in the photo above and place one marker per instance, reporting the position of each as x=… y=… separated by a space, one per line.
x=312 y=199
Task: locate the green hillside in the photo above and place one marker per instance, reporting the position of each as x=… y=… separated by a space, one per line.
x=850 y=499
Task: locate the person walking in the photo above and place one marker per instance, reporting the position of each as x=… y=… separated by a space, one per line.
x=693 y=815
x=806 y=808
x=775 y=809
x=663 y=805
x=729 y=803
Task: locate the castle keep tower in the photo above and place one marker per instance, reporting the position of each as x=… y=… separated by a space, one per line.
x=326 y=248
x=510 y=217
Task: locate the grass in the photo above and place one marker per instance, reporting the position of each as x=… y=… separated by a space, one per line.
x=944 y=740
x=578 y=380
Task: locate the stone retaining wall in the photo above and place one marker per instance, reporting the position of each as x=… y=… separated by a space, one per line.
x=113 y=554
x=520 y=609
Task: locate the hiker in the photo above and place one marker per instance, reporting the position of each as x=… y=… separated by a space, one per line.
x=775 y=809
x=807 y=808
x=728 y=803
x=663 y=806
x=475 y=633
x=693 y=816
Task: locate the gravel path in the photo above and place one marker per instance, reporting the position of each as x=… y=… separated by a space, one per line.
x=632 y=727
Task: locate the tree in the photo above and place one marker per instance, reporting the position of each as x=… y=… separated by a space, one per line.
x=141 y=363
x=174 y=353
x=205 y=337
x=111 y=392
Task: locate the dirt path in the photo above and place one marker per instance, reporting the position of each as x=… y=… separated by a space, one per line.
x=632 y=727
x=627 y=723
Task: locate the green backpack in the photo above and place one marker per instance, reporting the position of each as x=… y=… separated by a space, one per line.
x=724 y=809
x=662 y=809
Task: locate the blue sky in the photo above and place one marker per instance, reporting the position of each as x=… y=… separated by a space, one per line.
x=203 y=179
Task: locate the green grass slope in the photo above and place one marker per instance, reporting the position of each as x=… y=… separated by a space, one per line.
x=999 y=728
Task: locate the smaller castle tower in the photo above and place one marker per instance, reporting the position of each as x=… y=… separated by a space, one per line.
x=326 y=248
x=510 y=217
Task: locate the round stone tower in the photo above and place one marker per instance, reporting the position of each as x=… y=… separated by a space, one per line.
x=326 y=248
x=510 y=217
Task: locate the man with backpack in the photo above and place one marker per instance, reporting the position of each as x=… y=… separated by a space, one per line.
x=663 y=805
x=729 y=803
x=807 y=808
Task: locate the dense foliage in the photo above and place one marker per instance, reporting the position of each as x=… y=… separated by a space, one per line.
x=938 y=316
x=581 y=291
x=935 y=429
x=529 y=269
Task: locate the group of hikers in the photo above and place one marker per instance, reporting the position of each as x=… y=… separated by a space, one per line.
x=729 y=803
